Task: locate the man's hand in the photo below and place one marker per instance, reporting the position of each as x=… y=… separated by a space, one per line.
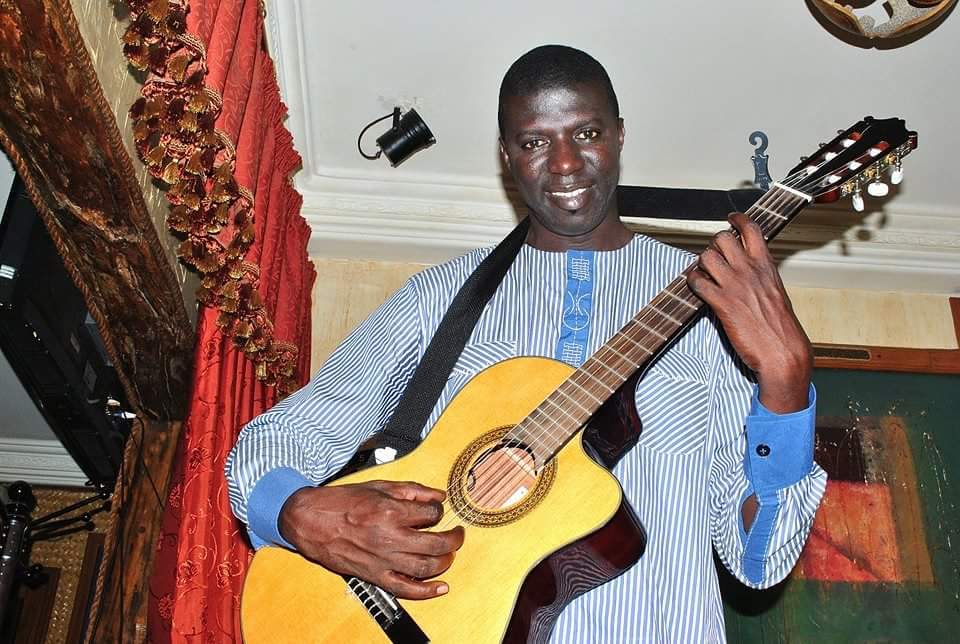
x=738 y=279
x=373 y=531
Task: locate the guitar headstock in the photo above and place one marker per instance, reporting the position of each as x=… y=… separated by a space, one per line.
x=856 y=160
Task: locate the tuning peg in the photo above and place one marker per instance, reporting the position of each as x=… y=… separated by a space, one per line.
x=858 y=200
x=896 y=175
x=877 y=188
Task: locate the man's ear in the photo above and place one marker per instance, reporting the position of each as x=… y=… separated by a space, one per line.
x=503 y=155
x=622 y=132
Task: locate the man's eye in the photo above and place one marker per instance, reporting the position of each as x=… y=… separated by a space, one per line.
x=533 y=144
x=588 y=135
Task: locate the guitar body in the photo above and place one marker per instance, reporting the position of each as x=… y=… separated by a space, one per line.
x=522 y=560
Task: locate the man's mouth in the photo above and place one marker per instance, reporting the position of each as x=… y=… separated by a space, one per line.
x=568 y=194
x=570 y=199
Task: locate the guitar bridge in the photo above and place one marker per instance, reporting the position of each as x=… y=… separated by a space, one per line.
x=389 y=615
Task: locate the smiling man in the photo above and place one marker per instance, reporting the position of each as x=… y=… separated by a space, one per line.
x=725 y=459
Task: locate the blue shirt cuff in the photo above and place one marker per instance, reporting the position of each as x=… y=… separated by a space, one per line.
x=779 y=446
x=265 y=502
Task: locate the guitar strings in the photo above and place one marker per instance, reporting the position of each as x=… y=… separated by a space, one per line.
x=615 y=345
x=764 y=204
x=503 y=485
x=547 y=432
x=511 y=475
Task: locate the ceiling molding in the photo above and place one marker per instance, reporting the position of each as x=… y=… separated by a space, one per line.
x=907 y=249
x=338 y=67
x=38 y=462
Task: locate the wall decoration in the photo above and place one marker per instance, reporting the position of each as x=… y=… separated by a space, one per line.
x=880 y=564
x=883 y=19
x=761 y=176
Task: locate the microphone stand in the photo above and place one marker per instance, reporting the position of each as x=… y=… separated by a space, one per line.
x=20 y=531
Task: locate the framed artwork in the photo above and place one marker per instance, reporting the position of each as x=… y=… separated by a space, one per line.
x=882 y=562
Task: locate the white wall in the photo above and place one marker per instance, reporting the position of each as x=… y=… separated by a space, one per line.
x=694 y=79
x=6 y=178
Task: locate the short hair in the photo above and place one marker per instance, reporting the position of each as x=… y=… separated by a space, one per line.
x=551 y=67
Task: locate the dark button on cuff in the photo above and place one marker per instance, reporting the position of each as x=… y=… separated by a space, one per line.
x=763 y=450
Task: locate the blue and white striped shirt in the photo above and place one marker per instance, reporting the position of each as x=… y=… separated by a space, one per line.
x=687 y=477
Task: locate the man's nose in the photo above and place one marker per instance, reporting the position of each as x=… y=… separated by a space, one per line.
x=565 y=158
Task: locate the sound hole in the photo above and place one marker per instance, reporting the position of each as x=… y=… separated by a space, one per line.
x=501 y=477
x=495 y=480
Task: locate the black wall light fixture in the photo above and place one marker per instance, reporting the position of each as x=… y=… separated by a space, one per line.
x=407 y=135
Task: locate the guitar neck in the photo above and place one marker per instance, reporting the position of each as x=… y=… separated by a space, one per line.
x=564 y=412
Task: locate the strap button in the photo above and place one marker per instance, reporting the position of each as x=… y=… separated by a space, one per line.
x=763 y=450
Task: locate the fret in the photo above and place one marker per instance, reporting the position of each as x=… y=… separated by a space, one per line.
x=664 y=314
x=582 y=388
x=636 y=320
x=575 y=419
x=522 y=434
x=538 y=422
x=608 y=368
x=693 y=307
x=548 y=443
x=566 y=396
x=609 y=347
x=546 y=433
x=769 y=211
x=793 y=191
x=636 y=344
x=603 y=385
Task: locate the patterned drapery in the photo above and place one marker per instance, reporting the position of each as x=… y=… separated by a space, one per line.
x=210 y=125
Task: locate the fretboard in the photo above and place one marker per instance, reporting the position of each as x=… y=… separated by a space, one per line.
x=565 y=411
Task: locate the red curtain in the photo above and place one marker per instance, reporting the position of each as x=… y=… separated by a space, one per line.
x=202 y=552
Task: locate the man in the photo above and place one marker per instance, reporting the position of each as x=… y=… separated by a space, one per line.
x=699 y=474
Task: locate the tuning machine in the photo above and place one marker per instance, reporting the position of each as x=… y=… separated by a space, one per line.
x=877 y=188
x=896 y=175
x=857 y=199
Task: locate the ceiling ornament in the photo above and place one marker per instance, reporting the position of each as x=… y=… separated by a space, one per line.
x=884 y=19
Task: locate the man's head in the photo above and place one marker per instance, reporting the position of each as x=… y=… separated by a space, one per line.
x=551 y=67
x=560 y=137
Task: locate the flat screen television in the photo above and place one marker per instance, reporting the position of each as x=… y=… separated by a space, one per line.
x=53 y=345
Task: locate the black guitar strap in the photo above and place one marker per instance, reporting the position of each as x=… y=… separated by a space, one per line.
x=402 y=432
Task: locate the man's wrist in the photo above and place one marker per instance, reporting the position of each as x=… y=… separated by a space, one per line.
x=784 y=377
x=287 y=519
x=267 y=499
x=785 y=393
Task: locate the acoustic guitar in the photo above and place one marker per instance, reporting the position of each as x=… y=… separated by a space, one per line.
x=524 y=452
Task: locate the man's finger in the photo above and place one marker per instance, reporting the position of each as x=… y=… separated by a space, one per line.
x=410 y=491
x=702 y=285
x=419 y=566
x=728 y=245
x=750 y=234
x=712 y=262
x=432 y=543
x=406 y=588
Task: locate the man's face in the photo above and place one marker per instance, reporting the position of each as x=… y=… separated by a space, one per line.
x=563 y=149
